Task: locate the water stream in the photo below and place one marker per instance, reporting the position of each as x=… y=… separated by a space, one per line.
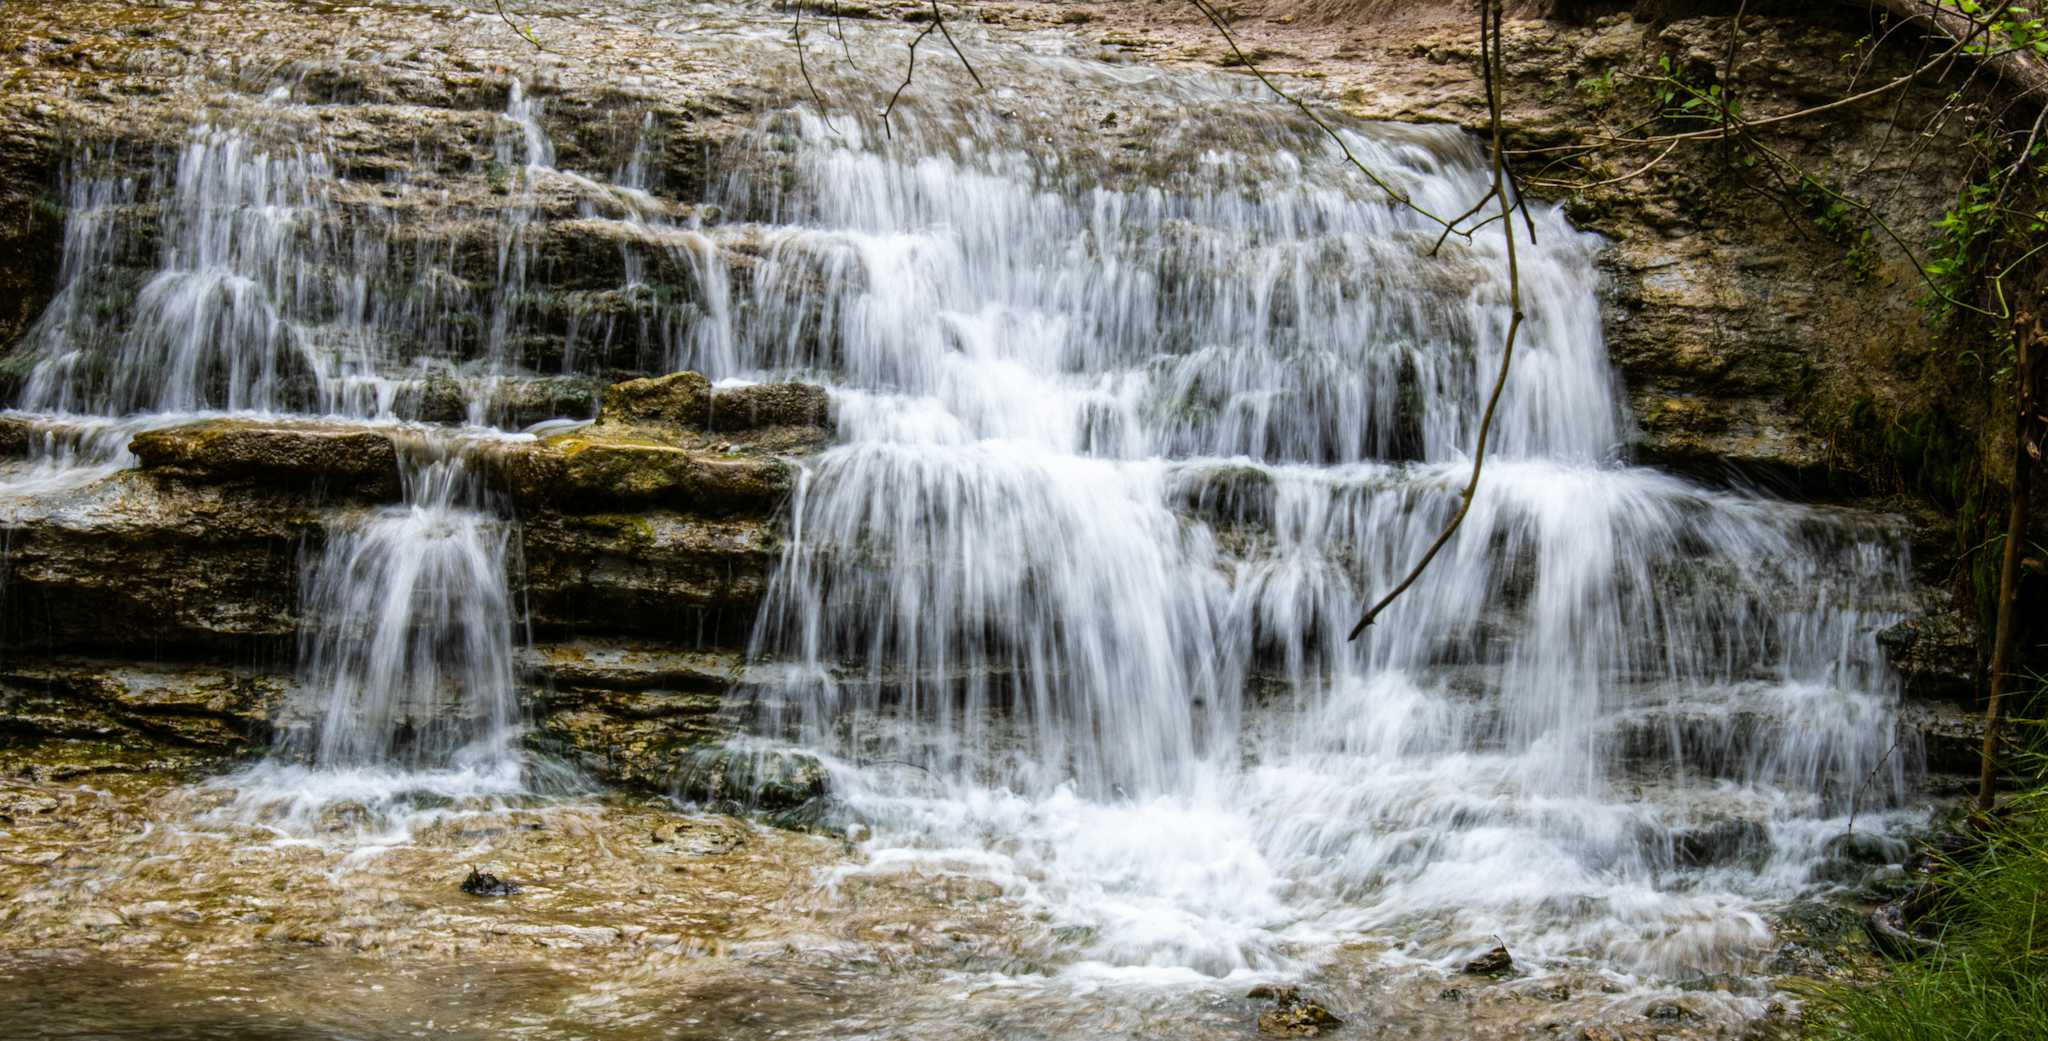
x=1128 y=430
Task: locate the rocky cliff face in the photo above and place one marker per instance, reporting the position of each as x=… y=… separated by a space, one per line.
x=1752 y=336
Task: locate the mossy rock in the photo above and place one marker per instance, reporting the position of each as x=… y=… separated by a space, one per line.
x=680 y=399
x=227 y=451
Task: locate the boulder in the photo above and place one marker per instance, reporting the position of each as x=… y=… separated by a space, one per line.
x=1292 y=1015
x=1935 y=655
x=209 y=710
x=654 y=573
x=1496 y=962
x=680 y=399
x=157 y=568
x=601 y=472
x=753 y=778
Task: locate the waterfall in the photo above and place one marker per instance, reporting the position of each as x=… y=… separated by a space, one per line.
x=274 y=289
x=1121 y=458
x=1129 y=429
x=406 y=633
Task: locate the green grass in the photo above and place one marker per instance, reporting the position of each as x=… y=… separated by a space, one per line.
x=1990 y=980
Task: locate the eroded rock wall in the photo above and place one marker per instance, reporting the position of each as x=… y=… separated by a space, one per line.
x=1754 y=337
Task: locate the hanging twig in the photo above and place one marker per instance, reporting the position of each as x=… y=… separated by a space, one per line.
x=909 y=72
x=1489 y=47
x=796 y=35
x=1328 y=131
x=524 y=33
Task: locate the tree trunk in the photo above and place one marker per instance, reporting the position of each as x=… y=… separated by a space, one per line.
x=2015 y=545
x=2021 y=70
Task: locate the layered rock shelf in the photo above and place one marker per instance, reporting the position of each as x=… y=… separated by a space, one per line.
x=152 y=612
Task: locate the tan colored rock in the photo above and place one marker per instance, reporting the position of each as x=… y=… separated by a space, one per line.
x=680 y=400
x=338 y=457
x=629 y=666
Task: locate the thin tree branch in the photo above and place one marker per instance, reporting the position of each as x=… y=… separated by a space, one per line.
x=1489 y=30
x=1328 y=131
x=524 y=33
x=796 y=35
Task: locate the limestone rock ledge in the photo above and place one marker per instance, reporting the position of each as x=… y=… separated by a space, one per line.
x=641 y=548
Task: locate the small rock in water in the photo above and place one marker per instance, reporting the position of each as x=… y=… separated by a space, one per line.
x=1668 y=1012
x=483 y=883
x=1496 y=962
x=664 y=833
x=1291 y=1014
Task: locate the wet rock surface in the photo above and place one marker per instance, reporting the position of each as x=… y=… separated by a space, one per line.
x=625 y=909
x=1292 y=1015
x=324 y=456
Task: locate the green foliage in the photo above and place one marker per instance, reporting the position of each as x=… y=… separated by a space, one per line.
x=1682 y=100
x=1985 y=232
x=1843 y=224
x=1599 y=90
x=2017 y=27
x=1990 y=979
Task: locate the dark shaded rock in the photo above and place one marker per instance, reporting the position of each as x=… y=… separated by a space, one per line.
x=765 y=779
x=679 y=399
x=1848 y=858
x=1862 y=847
x=1721 y=842
x=483 y=883
x=1935 y=654
x=214 y=711
x=293 y=454
x=1669 y=1012
x=1224 y=495
x=765 y=405
x=157 y=568
x=1497 y=962
x=1949 y=735
x=510 y=402
x=657 y=574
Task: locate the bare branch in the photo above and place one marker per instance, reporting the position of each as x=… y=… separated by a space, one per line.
x=524 y=33
x=1489 y=30
x=796 y=35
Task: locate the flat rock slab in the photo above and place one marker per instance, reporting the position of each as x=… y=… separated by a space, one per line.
x=225 y=450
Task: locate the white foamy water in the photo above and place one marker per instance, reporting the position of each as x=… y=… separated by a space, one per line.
x=1122 y=456
x=1130 y=429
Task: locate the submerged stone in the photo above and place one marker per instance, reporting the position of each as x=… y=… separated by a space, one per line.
x=771 y=779
x=483 y=883
x=1497 y=962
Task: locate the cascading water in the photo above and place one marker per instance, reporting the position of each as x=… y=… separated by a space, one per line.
x=1121 y=458
x=272 y=295
x=406 y=640
x=1130 y=427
